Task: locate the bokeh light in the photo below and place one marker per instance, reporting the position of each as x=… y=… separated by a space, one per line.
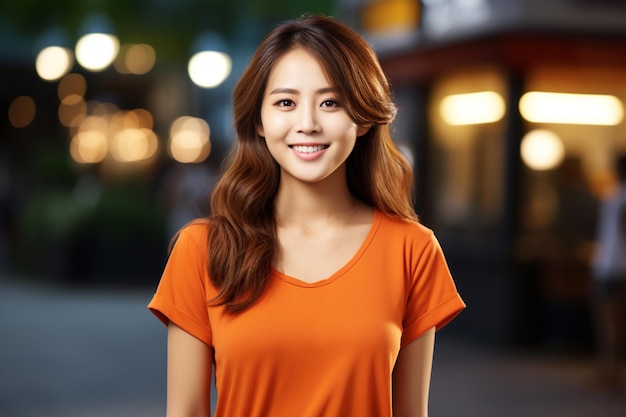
x=72 y=113
x=565 y=108
x=22 y=111
x=189 y=140
x=472 y=108
x=71 y=92
x=542 y=150
x=125 y=135
x=208 y=69
x=53 y=62
x=137 y=118
x=135 y=59
x=96 y=51
x=132 y=137
x=133 y=144
x=90 y=144
x=104 y=109
x=72 y=87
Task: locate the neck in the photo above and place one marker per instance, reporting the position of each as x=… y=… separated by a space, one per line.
x=302 y=204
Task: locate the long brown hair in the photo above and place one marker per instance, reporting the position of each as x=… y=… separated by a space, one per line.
x=242 y=233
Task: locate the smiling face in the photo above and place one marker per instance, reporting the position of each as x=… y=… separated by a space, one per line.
x=306 y=129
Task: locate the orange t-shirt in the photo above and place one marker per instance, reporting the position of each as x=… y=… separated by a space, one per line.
x=315 y=349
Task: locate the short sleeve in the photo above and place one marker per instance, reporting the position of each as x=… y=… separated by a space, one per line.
x=433 y=300
x=181 y=295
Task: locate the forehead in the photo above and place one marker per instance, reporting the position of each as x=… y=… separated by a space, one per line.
x=299 y=66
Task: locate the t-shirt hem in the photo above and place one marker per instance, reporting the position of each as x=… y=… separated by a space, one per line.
x=438 y=318
x=167 y=313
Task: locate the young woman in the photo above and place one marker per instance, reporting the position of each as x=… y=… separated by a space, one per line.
x=311 y=290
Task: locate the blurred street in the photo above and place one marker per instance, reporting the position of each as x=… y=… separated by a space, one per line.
x=86 y=353
x=99 y=352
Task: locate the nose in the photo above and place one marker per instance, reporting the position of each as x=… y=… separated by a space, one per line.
x=307 y=120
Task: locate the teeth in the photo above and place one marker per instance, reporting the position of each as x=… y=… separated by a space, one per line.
x=308 y=149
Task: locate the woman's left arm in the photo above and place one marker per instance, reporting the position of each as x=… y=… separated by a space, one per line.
x=411 y=377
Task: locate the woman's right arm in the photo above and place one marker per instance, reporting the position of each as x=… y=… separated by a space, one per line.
x=189 y=365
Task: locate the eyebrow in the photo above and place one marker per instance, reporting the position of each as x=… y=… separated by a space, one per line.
x=293 y=91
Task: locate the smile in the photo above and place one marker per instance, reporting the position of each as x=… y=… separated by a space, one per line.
x=308 y=148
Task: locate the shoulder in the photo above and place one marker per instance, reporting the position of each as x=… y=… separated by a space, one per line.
x=188 y=255
x=194 y=233
x=409 y=239
x=196 y=229
x=393 y=228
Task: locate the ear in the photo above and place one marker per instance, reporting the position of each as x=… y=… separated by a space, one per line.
x=260 y=131
x=361 y=130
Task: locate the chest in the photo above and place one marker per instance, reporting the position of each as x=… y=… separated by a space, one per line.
x=357 y=318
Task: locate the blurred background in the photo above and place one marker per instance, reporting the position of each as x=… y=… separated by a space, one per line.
x=114 y=120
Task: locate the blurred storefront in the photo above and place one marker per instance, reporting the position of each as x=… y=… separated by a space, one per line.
x=513 y=112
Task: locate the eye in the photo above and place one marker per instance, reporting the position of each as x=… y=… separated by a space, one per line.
x=330 y=103
x=284 y=103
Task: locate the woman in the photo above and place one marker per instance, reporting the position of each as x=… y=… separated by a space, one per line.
x=311 y=290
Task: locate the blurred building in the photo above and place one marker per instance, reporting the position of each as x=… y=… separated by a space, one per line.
x=513 y=112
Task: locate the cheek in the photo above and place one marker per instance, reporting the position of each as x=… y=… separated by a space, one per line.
x=348 y=127
x=274 y=125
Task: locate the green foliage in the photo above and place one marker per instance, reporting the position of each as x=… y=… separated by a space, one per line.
x=64 y=236
x=126 y=212
x=52 y=216
x=168 y=25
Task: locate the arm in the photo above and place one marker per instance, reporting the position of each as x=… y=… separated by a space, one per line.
x=411 y=377
x=189 y=365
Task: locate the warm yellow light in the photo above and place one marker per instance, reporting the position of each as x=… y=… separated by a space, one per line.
x=209 y=69
x=124 y=134
x=135 y=59
x=189 y=140
x=130 y=145
x=22 y=111
x=72 y=87
x=132 y=138
x=102 y=109
x=140 y=58
x=53 y=62
x=72 y=112
x=153 y=143
x=577 y=109
x=137 y=118
x=542 y=150
x=96 y=51
x=144 y=118
x=72 y=99
x=89 y=146
x=193 y=124
x=94 y=124
x=472 y=108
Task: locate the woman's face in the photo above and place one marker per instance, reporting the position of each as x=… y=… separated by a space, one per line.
x=306 y=129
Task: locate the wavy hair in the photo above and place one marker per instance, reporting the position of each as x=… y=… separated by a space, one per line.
x=242 y=234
